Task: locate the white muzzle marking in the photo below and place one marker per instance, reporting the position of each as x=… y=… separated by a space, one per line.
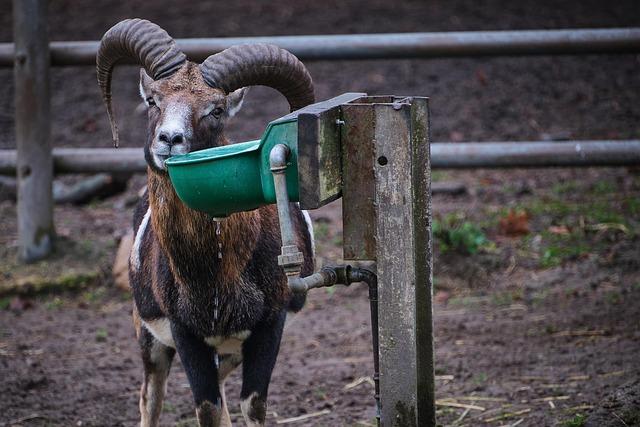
x=177 y=120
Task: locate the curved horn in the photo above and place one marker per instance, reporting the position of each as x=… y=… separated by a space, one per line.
x=142 y=41
x=260 y=64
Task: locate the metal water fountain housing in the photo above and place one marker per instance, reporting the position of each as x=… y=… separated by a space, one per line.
x=234 y=178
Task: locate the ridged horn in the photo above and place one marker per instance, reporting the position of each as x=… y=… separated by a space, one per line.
x=260 y=64
x=141 y=41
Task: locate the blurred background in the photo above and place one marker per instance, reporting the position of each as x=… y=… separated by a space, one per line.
x=537 y=275
x=584 y=97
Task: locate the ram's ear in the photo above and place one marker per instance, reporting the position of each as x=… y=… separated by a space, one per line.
x=145 y=85
x=234 y=101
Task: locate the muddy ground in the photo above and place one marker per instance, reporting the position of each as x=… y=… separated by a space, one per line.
x=537 y=273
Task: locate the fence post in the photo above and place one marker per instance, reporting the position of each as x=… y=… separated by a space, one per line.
x=33 y=129
x=404 y=261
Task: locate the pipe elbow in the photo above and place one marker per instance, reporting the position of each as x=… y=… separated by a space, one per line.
x=325 y=277
x=297 y=285
x=278 y=157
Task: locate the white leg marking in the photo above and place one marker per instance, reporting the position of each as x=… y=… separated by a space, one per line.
x=245 y=406
x=161 y=330
x=225 y=420
x=307 y=219
x=135 y=250
x=154 y=387
x=228 y=362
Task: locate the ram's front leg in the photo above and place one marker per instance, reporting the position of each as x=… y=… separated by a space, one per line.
x=198 y=360
x=259 y=354
x=156 y=359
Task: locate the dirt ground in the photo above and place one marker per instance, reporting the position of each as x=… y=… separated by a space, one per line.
x=539 y=325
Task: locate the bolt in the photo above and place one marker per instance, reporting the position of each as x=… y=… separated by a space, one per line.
x=21 y=58
x=24 y=171
x=339 y=122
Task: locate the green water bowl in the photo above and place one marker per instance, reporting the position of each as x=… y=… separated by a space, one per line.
x=236 y=177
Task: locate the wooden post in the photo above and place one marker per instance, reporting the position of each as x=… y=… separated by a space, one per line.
x=386 y=178
x=404 y=259
x=33 y=129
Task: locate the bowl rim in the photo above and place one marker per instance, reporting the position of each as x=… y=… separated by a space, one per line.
x=214 y=153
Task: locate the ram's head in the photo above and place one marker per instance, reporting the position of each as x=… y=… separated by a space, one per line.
x=188 y=103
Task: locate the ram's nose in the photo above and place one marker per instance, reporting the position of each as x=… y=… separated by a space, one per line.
x=170 y=139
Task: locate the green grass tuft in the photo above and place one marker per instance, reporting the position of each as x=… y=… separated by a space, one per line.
x=101 y=335
x=456 y=235
x=578 y=420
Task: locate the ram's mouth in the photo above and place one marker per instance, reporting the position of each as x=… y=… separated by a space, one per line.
x=163 y=153
x=159 y=159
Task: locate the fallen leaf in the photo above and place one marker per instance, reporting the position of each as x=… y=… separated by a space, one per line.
x=516 y=223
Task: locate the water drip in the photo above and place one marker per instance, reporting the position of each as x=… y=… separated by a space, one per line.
x=218 y=234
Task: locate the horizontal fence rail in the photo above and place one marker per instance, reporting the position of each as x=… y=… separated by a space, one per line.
x=465 y=155
x=386 y=46
x=469 y=155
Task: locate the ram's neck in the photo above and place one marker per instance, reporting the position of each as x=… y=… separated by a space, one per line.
x=190 y=240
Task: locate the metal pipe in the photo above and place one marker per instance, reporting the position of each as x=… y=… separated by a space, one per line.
x=467 y=155
x=346 y=275
x=291 y=258
x=471 y=155
x=387 y=46
x=326 y=277
x=370 y=278
x=85 y=160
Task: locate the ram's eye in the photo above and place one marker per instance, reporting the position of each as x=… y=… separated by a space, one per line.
x=217 y=112
x=151 y=101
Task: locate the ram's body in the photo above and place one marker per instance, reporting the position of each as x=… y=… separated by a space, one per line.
x=209 y=289
x=215 y=297
x=236 y=303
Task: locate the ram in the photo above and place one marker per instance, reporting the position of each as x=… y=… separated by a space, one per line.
x=207 y=288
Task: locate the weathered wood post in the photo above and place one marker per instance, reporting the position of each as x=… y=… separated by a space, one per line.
x=32 y=121
x=386 y=196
